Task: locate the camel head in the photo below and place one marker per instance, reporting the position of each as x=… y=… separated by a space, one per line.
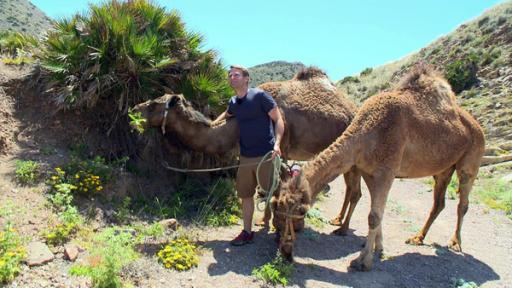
x=174 y=108
x=153 y=110
x=290 y=208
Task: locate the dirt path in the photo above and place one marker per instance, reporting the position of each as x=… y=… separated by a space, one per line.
x=323 y=262
x=321 y=258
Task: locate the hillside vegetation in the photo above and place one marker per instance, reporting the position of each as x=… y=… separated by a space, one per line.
x=273 y=71
x=22 y=16
x=476 y=59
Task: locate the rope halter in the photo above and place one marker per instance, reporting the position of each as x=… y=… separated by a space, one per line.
x=289 y=231
x=166 y=111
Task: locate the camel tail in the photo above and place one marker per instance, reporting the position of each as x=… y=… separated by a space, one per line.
x=490 y=160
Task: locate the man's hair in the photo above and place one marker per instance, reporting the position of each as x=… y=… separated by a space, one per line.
x=244 y=70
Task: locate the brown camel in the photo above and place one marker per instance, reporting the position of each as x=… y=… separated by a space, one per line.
x=416 y=130
x=314 y=112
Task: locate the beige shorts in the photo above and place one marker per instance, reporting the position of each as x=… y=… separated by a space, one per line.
x=246 y=177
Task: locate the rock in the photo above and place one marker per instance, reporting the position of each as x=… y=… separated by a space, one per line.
x=38 y=254
x=71 y=252
x=170 y=224
x=98 y=215
x=109 y=213
x=507 y=178
x=506 y=146
x=494 y=151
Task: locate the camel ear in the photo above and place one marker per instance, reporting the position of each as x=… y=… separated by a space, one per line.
x=285 y=173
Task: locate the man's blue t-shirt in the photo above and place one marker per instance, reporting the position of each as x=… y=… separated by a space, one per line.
x=256 y=128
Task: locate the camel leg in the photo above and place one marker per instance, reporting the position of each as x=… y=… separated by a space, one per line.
x=338 y=220
x=352 y=196
x=466 y=181
x=379 y=247
x=441 y=183
x=379 y=185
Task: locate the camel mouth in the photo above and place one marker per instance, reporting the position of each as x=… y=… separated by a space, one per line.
x=286 y=251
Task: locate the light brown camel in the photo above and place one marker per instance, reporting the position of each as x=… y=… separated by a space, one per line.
x=416 y=130
x=314 y=112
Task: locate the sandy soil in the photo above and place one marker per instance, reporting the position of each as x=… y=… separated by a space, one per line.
x=321 y=258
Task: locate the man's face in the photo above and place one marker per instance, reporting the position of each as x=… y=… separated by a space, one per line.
x=237 y=78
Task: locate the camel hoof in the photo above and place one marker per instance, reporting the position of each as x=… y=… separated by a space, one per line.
x=455 y=246
x=360 y=266
x=416 y=240
x=336 y=221
x=340 y=231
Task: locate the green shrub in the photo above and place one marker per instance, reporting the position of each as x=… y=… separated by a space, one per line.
x=366 y=71
x=112 y=250
x=489 y=56
x=453 y=187
x=221 y=206
x=314 y=217
x=122 y=213
x=279 y=271
x=483 y=21
x=60 y=233
x=12 y=254
x=61 y=198
x=154 y=230
x=20 y=60
x=136 y=120
x=461 y=74
x=27 y=172
x=213 y=205
x=122 y=53
x=350 y=79
x=180 y=254
x=461 y=283
x=86 y=177
x=496 y=195
x=17 y=43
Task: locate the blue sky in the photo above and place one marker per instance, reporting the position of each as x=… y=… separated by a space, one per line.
x=340 y=36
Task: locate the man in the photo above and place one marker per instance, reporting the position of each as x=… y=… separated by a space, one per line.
x=256 y=113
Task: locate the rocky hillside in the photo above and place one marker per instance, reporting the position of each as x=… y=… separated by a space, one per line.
x=273 y=71
x=477 y=56
x=22 y=16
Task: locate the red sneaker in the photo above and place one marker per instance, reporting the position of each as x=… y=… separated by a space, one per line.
x=243 y=238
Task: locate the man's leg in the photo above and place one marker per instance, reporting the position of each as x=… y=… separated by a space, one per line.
x=245 y=184
x=248 y=211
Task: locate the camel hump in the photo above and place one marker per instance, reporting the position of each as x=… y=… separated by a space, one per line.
x=414 y=78
x=309 y=73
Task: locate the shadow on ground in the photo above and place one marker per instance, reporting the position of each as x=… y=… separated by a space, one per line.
x=407 y=270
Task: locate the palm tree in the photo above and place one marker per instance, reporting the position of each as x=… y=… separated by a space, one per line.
x=118 y=54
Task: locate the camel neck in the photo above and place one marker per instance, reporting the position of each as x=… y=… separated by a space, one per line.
x=336 y=159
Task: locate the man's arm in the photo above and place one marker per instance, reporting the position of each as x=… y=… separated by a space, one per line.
x=275 y=115
x=224 y=115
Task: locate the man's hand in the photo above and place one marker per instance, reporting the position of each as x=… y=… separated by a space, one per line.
x=275 y=115
x=276 y=151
